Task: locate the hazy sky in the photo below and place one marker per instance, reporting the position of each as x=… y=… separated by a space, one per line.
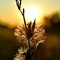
x=10 y=14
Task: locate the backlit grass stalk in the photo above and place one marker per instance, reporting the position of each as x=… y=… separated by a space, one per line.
x=29 y=35
x=30 y=28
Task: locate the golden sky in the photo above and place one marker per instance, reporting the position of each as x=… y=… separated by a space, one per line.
x=11 y=15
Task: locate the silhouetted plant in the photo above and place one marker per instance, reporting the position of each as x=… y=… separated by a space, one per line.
x=29 y=37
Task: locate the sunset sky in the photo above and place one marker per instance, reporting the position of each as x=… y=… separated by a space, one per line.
x=9 y=13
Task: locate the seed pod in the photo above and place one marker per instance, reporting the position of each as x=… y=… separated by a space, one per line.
x=33 y=26
x=23 y=11
x=20 y=3
x=17 y=2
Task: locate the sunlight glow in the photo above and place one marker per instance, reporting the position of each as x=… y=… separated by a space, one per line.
x=32 y=13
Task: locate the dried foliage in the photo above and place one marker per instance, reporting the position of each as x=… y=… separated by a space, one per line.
x=29 y=37
x=37 y=38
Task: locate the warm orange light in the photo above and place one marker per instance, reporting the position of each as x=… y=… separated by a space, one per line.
x=32 y=13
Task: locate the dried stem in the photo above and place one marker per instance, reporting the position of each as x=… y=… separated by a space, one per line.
x=22 y=12
x=29 y=30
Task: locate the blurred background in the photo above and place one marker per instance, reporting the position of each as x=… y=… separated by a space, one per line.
x=10 y=18
x=49 y=50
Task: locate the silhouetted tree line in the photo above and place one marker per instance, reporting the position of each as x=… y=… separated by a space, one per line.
x=52 y=22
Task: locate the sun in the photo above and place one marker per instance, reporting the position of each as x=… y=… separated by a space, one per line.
x=32 y=13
